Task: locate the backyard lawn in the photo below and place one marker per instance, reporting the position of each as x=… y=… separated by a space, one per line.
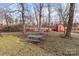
x=53 y=44
x=12 y=45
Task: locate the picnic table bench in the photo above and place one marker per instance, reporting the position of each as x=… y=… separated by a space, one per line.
x=37 y=38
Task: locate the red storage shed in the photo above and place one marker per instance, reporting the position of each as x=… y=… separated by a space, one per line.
x=60 y=28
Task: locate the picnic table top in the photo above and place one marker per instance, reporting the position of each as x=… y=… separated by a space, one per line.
x=35 y=36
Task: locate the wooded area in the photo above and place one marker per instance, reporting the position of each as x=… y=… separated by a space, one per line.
x=44 y=27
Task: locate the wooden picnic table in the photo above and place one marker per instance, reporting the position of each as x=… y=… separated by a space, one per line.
x=35 y=38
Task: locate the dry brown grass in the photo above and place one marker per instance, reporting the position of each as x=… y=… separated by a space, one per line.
x=53 y=44
x=14 y=46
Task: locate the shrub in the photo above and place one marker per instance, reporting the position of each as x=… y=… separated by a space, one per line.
x=12 y=28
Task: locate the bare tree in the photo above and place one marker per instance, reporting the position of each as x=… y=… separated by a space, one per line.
x=1 y=19
x=23 y=20
x=60 y=10
x=49 y=13
x=63 y=15
x=70 y=21
x=36 y=15
x=40 y=14
x=8 y=19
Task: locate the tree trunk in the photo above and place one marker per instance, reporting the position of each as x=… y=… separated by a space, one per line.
x=64 y=24
x=70 y=21
x=40 y=15
x=22 y=13
x=6 y=19
x=36 y=17
x=49 y=14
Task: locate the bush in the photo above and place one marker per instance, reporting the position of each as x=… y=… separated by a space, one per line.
x=12 y=28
